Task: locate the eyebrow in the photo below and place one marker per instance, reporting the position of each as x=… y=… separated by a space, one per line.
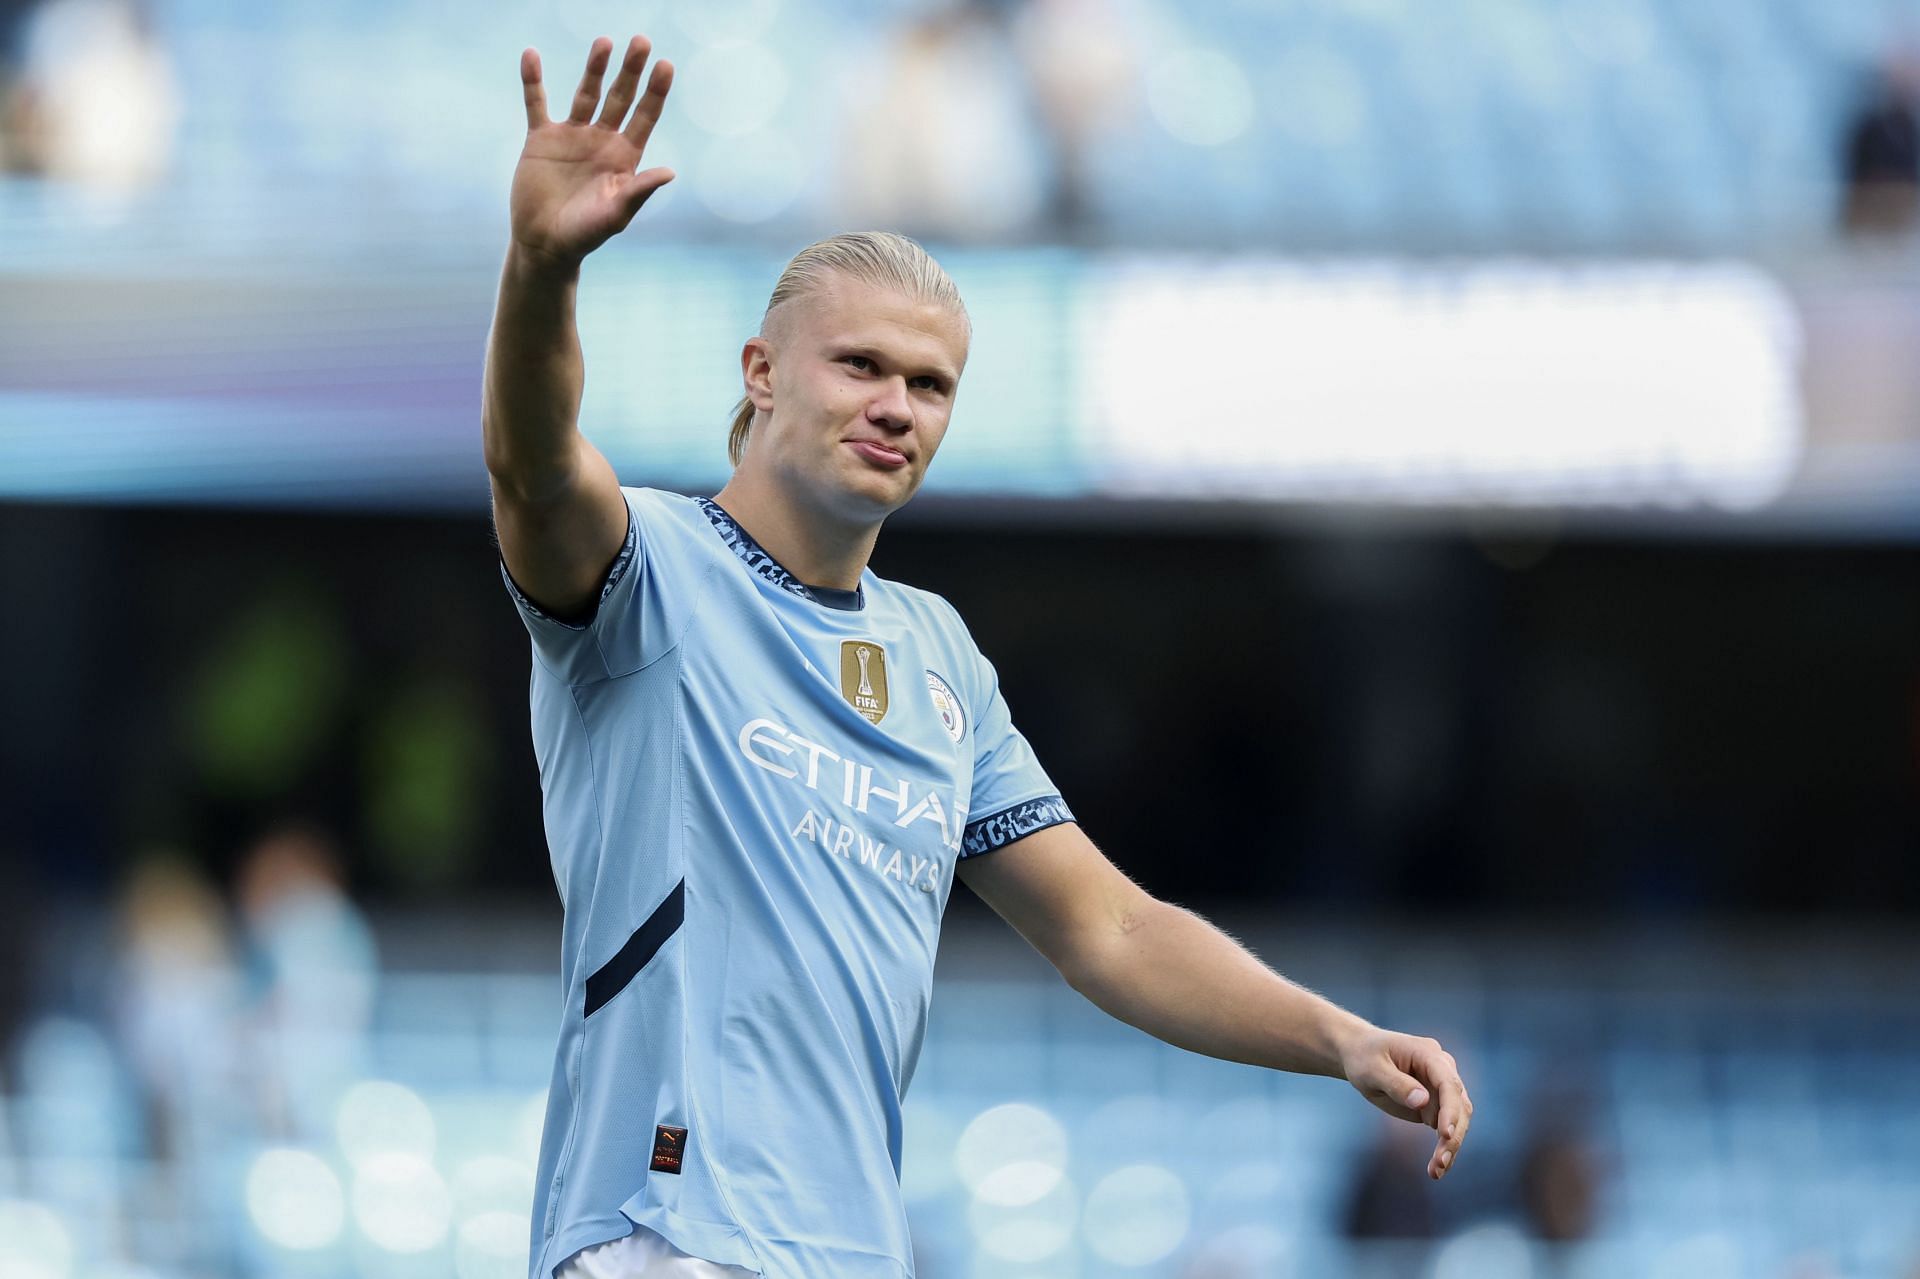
x=945 y=375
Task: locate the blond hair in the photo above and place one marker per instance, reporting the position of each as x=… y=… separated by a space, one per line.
x=879 y=258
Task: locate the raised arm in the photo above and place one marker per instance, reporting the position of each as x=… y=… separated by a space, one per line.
x=556 y=503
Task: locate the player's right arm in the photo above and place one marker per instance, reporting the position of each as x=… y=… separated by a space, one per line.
x=557 y=505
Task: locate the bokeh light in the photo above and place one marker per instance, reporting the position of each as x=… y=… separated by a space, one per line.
x=732 y=90
x=1136 y=1215
x=492 y=1245
x=295 y=1199
x=752 y=177
x=1200 y=96
x=34 y=1243
x=1012 y=1154
x=1032 y=1231
x=401 y=1203
x=377 y=1118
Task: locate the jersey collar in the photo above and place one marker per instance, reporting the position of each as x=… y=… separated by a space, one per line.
x=757 y=559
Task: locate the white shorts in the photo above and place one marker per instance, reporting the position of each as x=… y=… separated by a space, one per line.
x=644 y=1253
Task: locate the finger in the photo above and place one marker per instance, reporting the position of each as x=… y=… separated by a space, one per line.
x=647 y=114
x=625 y=85
x=1456 y=1116
x=1450 y=1105
x=536 y=93
x=588 y=93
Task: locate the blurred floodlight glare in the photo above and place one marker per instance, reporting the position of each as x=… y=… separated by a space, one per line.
x=1485 y=1252
x=1033 y=1231
x=1136 y=1215
x=294 y=1199
x=34 y=1243
x=401 y=1204
x=1012 y=1154
x=492 y=1245
x=377 y=1118
x=1507 y=383
x=1200 y=96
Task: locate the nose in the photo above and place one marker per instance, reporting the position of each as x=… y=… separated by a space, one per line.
x=890 y=406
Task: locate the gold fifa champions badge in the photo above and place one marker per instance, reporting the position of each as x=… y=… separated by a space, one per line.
x=863 y=678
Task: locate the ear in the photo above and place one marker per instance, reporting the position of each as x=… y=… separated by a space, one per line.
x=756 y=371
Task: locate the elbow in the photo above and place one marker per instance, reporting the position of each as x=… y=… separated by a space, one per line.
x=1090 y=959
x=523 y=479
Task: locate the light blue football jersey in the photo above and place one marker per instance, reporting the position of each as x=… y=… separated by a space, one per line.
x=755 y=794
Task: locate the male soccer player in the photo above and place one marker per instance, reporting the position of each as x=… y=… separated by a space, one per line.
x=763 y=767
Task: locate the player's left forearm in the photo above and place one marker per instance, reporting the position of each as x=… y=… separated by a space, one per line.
x=1180 y=979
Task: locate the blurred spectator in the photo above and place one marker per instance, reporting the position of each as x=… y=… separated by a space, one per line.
x=13 y=26
x=1558 y=1185
x=1392 y=1197
x=1083 y=67
x=16 y=942
x=93 y=98
x=313 y=963
x=1559 y=1172
x=1883 y=153
x=177 y=997
x=942 y=145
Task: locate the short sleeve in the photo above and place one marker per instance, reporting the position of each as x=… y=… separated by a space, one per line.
x=1012 y=795
x=630 y=625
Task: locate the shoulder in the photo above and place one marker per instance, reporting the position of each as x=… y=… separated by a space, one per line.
x=654 y=501
x=928 y=609
x=665 y=515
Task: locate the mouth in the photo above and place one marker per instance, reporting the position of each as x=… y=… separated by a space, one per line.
x=880 y=455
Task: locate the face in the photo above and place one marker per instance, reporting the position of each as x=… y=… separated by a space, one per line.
x=854 y=385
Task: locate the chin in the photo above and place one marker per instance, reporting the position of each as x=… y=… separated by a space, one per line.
x=872 y=496
x=875 y=502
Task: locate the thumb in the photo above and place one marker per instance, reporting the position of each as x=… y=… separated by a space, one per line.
x=641 y=186
x=1397 y=1093
x=1408 y=1091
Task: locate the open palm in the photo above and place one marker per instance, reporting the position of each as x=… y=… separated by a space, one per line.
x=576 y=186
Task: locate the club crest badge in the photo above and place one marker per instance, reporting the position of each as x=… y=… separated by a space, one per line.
x=863 y=678
x=952 y=716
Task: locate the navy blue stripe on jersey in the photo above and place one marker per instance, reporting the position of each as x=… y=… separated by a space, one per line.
x=615 y=571
x=773 y=570
x=997 y=830
x=641 y=947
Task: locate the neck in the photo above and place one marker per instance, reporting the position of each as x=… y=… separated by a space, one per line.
x=814 y=545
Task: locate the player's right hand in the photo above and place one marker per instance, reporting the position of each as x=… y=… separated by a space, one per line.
x=575 y=186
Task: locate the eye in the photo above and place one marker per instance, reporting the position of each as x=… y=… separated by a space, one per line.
x=860 y=362
x=928 y=383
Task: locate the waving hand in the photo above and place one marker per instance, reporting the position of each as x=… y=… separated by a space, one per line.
x=576 y=186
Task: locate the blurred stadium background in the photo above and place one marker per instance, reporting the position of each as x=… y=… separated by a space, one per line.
x=1440 y=482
